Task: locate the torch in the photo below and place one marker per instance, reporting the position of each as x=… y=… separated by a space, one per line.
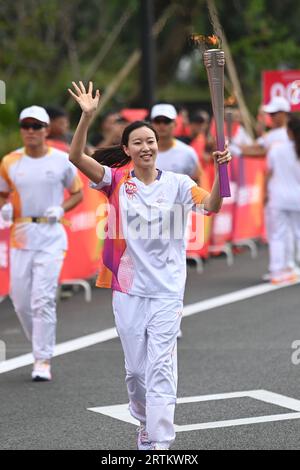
x=214 y=61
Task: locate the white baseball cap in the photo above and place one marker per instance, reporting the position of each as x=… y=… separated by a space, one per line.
x=277 y=104
x=166 y=110
x=35 y=112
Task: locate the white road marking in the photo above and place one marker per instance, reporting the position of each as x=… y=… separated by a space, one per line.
x=232 y=297
x=121 y=412
x=106 y=335
x=62 y=348
x=238 y=422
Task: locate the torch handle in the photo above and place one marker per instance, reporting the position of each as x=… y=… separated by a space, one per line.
x=223 y=172
x=214 y=62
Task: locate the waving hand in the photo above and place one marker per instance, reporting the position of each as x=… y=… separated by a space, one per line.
x=84 y=98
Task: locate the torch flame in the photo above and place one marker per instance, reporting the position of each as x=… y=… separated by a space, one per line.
x=206 y=41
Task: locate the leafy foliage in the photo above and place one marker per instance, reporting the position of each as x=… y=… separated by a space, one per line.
x=46 y=45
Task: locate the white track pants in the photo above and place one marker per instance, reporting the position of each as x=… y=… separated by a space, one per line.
x=284 y=237
x=148 y=329
x=34 y=278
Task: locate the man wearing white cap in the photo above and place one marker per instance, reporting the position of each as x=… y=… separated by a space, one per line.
x=32 y=183
x=173 y=155
x=278 y=109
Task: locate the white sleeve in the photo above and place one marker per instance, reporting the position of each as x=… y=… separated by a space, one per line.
x=106 y=180
x=235 y=150
x=241 y=137
x=189 y=193
x=262 y=141
x=193 y=163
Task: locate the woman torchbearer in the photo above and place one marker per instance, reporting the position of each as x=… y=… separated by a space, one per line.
x=147 y=274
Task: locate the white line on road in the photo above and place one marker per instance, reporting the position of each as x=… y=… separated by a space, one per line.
x=106 y=335
x=121 y=412
x=238 y=422
x=232 y=297
x=60 y=349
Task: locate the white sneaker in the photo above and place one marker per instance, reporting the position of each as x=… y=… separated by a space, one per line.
x=41 y=371
x=143 y=442
x=284 y=277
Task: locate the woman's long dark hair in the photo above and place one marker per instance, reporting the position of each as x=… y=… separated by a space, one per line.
x=114 y=156
x=294 y=127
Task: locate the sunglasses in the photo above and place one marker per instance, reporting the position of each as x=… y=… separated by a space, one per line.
x=32 y=125
x=162 y=120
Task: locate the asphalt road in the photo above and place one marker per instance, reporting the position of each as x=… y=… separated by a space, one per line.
x=237 y=347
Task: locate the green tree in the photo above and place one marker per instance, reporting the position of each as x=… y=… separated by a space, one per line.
x=46 y=45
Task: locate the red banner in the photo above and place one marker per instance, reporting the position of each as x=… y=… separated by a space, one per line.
x=82 y=257
x=198 y=235
x=222 y=225
x=284 y=83
x=249 y=209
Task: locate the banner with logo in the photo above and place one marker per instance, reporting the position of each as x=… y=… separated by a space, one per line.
x=284 y=83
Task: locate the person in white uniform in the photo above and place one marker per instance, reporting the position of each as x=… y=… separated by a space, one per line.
x=283 y=192
x=32 y=183
x=173 y=155
x=143 y=261
x=278 y=108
